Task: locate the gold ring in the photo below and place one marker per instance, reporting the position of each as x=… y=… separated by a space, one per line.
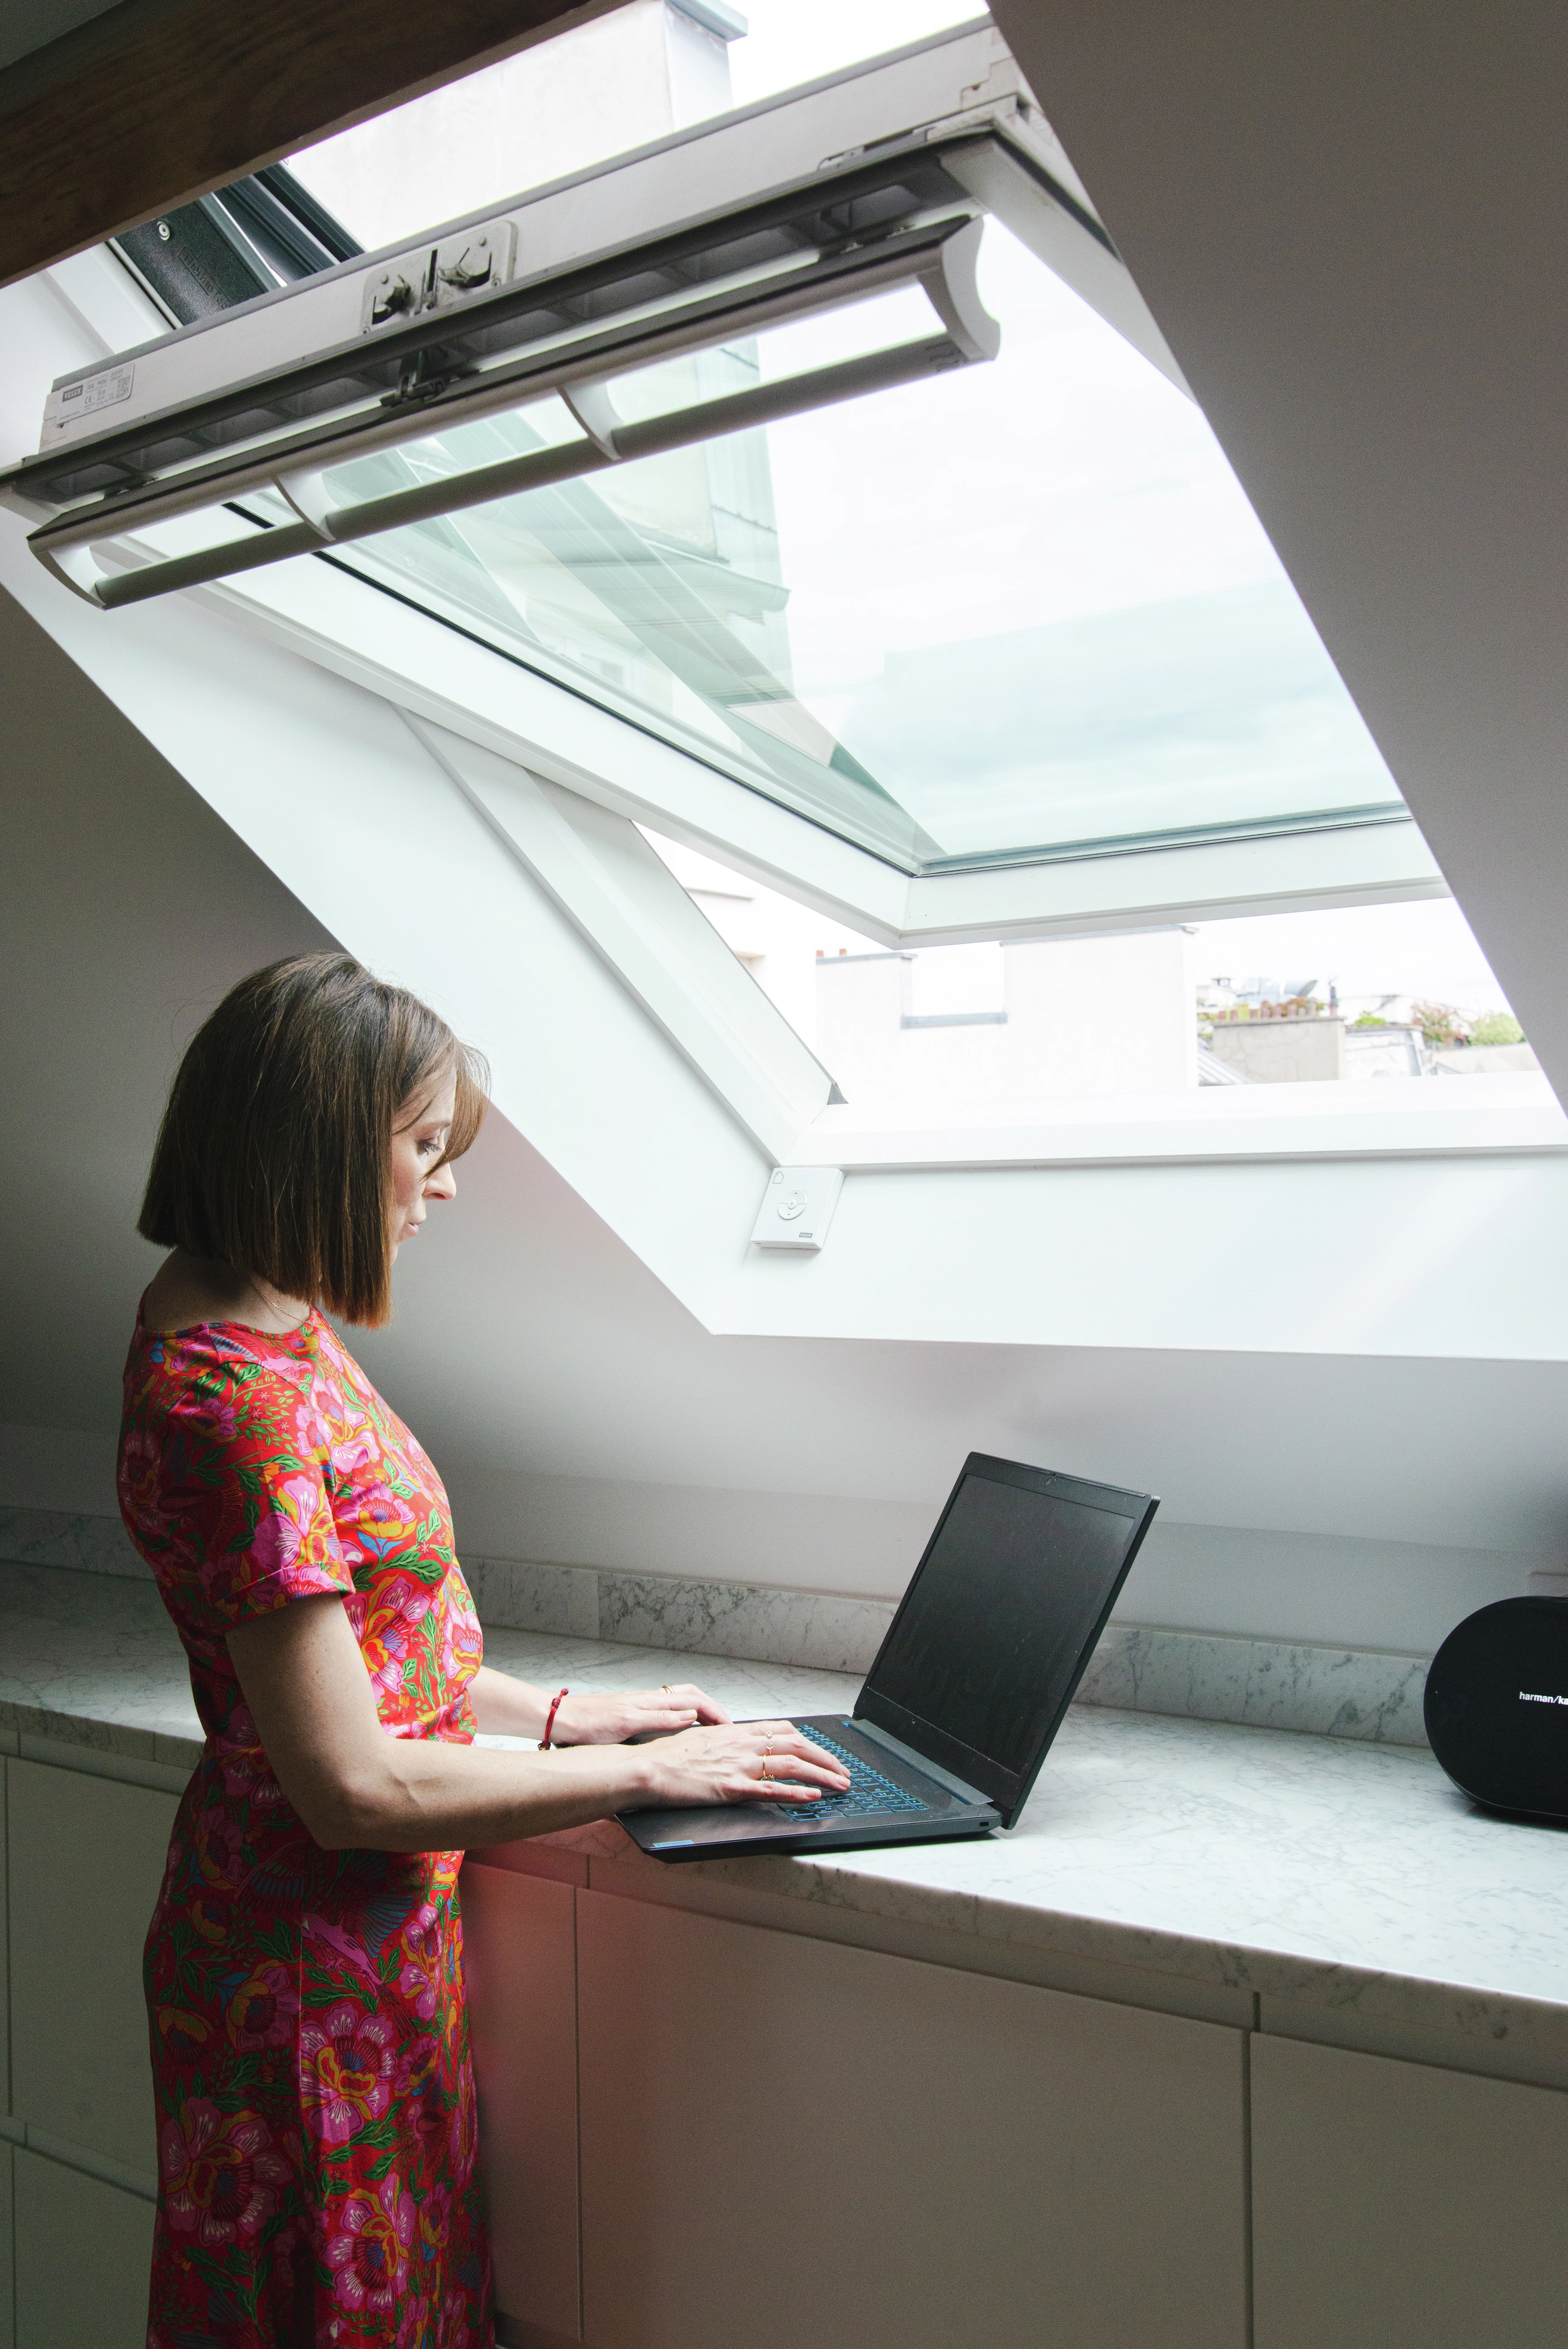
x=764 y=1765
x=665 y=1689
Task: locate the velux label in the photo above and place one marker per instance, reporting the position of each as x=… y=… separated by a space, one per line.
x=74 y=400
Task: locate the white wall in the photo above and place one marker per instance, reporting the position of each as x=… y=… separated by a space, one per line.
x=1085 y=1017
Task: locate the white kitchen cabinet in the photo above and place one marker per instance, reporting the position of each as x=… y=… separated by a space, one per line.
x=1397 y=2205
x=86 y=1858
x=786 y=2140
x=83 y=2254
x=520 y=1957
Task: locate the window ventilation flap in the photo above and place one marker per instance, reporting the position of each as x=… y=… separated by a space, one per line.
x=940 y=261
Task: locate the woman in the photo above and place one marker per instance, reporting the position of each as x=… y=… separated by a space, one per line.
x=304 y=1968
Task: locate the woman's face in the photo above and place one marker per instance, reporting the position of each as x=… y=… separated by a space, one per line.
x=418 y=1140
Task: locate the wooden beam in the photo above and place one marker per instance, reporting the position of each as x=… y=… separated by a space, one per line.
x=156 y=101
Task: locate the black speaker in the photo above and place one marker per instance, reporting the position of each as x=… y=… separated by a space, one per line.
x=1497 y=1706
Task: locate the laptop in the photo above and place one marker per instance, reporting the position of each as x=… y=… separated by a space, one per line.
x=969 y=1686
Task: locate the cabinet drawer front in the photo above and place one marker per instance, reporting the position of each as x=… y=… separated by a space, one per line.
x=787 y=2140
x=519 y=1945
x=1397 y=2205
x=86 y=1858
x=83 y=2251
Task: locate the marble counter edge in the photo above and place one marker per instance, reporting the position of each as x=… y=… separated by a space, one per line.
x=602 y=1855
x=1469 y=2011
x=96 y=1733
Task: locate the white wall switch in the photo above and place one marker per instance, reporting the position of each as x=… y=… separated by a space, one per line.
x=797 y=1207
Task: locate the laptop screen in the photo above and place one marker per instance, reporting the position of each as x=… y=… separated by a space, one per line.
x=1002 y=1617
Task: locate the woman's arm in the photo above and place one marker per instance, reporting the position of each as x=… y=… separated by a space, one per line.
x=305 y=1681
x=511 y=1708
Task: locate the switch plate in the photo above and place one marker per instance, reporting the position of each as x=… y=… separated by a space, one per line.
x=797 y=1207
x=476 y=261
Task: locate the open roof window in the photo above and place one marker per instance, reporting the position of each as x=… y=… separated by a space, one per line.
x=827 y=445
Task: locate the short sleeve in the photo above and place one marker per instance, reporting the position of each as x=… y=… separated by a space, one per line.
x=240 y=1498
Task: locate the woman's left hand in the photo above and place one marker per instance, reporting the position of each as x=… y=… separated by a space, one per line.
x=633 y=1713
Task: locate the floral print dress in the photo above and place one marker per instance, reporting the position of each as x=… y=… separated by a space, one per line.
x=314 y=2093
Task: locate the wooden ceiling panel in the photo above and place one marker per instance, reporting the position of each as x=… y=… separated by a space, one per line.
x=157 y=101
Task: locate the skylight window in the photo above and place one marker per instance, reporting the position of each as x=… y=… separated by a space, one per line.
x=759 y=477
x=1019 y=610
x=1026 y=609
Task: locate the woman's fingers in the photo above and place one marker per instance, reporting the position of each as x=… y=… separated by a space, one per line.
x=787 y=1758
x=748 y=1762
x=784 y=1737
x=685 y=1697
x=792 y=1783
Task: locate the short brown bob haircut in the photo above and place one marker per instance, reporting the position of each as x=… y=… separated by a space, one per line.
x=275 y=1151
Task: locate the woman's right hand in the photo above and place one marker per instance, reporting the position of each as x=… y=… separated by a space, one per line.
x=744 y=1762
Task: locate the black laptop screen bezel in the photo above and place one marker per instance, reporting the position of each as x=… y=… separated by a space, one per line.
x=1007 y=1789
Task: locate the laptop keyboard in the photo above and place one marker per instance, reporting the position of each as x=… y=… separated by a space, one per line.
x=868 y=1790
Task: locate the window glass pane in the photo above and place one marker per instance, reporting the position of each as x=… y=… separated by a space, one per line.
x=1371 y=1008
x=1023 y=606
x=879 y=323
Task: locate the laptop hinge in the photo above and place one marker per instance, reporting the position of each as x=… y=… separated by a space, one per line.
x=921 y=1761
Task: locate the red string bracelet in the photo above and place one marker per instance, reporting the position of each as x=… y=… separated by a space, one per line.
x=550 y=1720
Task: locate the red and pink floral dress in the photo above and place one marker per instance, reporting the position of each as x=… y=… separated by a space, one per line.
x=315 y=2097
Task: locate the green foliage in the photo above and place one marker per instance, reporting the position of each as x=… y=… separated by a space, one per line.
x=1368 y=1019
x=1497 y=1028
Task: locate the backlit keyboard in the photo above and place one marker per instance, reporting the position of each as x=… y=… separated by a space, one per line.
x=868 y=1790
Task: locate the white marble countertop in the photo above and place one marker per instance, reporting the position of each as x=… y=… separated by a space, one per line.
x=1306 y=1871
